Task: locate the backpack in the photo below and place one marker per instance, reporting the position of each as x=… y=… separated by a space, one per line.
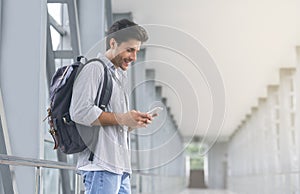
x=62 y=129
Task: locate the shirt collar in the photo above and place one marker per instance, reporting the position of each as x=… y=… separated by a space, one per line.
x=111 y=66
x=107 y=62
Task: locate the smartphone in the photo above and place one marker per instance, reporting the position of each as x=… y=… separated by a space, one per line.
x=155 y=110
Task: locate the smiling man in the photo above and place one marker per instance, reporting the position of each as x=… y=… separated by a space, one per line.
x=109 y=170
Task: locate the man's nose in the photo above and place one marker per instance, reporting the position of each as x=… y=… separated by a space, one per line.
x=133 y=56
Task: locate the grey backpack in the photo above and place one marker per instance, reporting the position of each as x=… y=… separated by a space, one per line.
x=62 y=129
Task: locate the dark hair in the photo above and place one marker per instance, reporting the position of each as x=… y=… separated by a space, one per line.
x=123 y=30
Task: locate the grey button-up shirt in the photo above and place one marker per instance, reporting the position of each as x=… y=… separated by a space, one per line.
x=112 y=149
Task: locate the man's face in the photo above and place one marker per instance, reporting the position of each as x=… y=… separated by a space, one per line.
x=125 y=53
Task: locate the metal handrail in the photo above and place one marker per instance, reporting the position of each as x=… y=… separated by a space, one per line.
x=21 y=161
x=38 y=164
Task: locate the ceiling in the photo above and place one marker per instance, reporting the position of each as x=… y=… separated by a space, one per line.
x=242 y=43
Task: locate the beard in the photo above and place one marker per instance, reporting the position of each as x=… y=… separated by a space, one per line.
x=121 y=62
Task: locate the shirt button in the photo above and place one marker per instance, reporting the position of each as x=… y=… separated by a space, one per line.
x=120 y=146
x=121 y=130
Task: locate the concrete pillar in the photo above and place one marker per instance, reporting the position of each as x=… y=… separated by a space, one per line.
x=92 y=23
x=297 y=120
x=263 y=154
x=217 y=166
x=22 y=80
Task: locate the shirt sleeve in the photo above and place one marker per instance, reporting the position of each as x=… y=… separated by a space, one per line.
x=83 y=109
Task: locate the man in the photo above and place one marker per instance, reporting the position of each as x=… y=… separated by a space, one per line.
x=109 y=171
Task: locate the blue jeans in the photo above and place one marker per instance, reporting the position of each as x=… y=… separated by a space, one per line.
x=105 y=182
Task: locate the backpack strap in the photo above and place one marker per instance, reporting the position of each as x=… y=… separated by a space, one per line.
x=104 y=99
x=80 y=65
x=106 y=88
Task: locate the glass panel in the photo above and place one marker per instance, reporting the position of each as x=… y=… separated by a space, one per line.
x=55 y=11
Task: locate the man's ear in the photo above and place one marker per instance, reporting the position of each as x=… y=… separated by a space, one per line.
x=112 y=43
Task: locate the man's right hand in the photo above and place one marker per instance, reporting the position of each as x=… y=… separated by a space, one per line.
x=134 y=119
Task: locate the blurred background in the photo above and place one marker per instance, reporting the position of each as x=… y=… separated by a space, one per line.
x=225 y=72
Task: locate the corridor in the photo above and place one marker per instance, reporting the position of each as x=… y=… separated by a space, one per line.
x=225 y=76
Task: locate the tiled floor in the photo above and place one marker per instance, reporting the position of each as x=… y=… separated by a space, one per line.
x=205 y=191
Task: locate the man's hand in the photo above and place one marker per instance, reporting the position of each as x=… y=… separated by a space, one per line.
x=134 y=119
